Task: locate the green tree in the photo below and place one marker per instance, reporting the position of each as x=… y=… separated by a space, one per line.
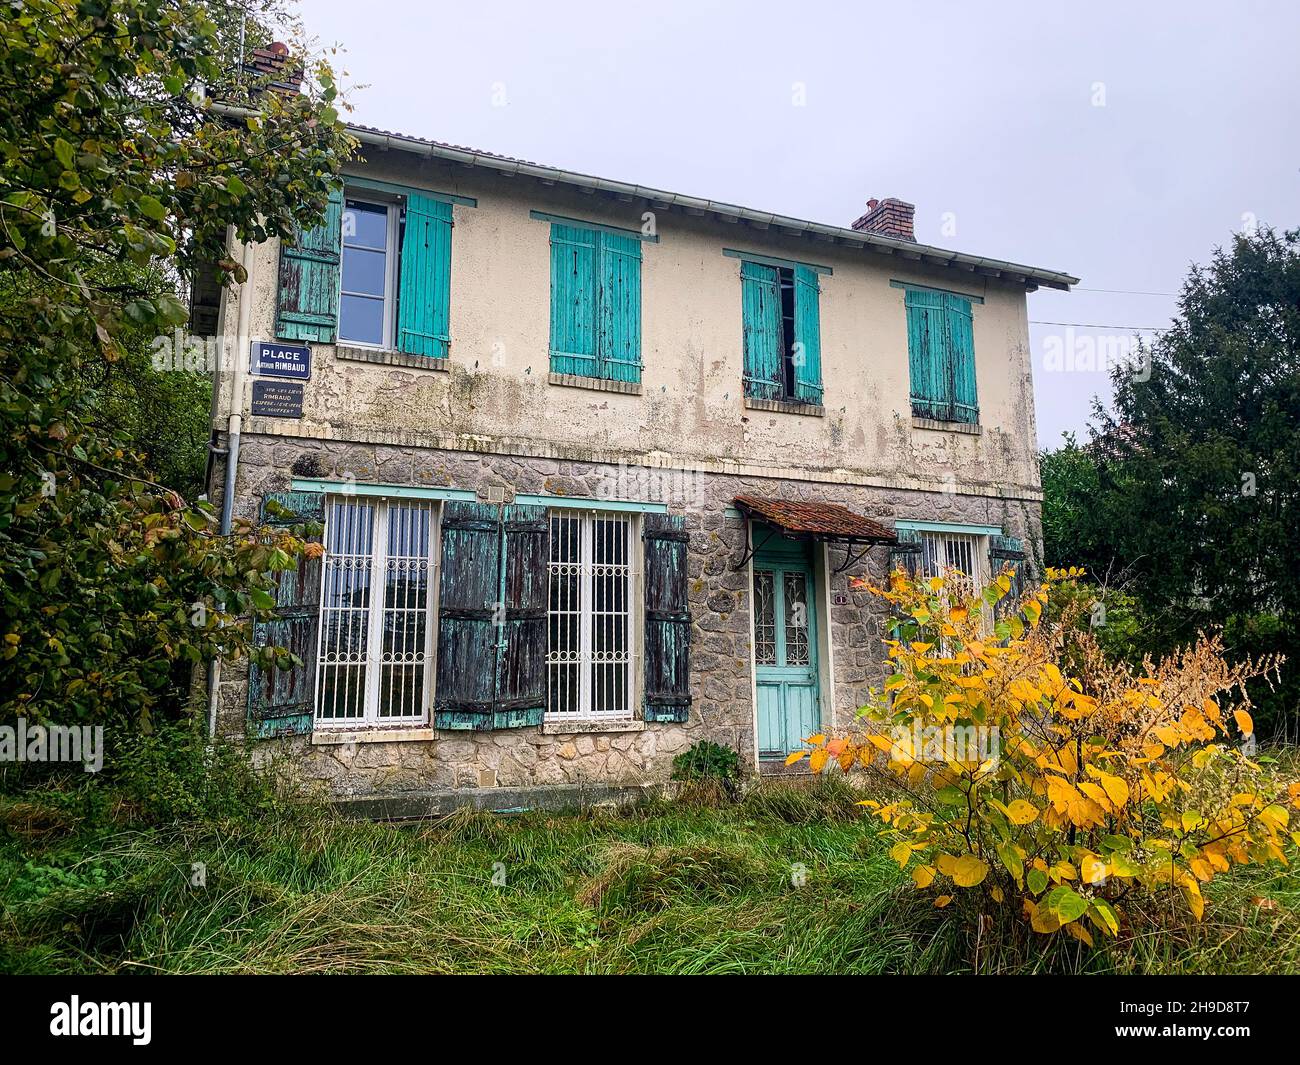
x=1190 y=486
x=116 y=174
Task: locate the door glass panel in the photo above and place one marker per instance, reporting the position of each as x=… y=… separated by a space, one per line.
x=764 y=618
x=796 y=619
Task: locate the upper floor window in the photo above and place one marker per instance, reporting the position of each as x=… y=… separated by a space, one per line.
x=376 y=271
x=781 y=321
x=368 y=300
x=941 y=356
x=595 y=303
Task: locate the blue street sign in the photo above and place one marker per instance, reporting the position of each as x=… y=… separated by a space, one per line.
x=273 y=359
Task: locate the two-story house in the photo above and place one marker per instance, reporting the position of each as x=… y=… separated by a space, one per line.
x=597 y=462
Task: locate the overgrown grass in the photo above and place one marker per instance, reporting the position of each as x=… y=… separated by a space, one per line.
x=787 y=881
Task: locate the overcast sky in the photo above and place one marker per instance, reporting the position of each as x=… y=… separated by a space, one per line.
x=1118 y=142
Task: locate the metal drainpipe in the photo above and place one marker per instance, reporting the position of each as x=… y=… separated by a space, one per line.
x=234 y=425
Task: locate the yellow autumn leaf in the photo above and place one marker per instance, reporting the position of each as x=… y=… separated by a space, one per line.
x=946 y=864
x=1021 y=812
x=923 y=875
x=795 y=757
x=816 y=741
x=818 y=760
x=1244 y=721
x=969 y=870
x=901 y=853
x=942 y=901
x=1116 y=788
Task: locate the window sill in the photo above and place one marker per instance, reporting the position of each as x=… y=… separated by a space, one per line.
x=969 y=428
x=334 y=737
x=786 y=406
x=575 y=728
x=387 y=357
x=596 y=384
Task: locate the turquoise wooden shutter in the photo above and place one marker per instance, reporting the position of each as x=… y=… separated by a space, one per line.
x=573 y=300
x=1009 y=551
x=926 y=346
x=964 y=402
x=667 y=619
x=424 y=299
x=281 y=702
x=492 y=617
x=619 y=306
x=808 y=334
x=308 y=304
x=760 y=288
x=468 y=593
x=520 y=697
x=905 y=552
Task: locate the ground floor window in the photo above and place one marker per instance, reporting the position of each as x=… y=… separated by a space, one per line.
x=590 y=638
x=958 y=556
x=377 y=631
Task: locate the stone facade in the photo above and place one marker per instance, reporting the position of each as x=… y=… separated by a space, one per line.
x=723 y=709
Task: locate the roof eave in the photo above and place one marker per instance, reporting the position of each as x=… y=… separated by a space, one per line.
x=1013 y=273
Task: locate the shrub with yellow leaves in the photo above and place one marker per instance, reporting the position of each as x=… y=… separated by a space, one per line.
x=1071 y=796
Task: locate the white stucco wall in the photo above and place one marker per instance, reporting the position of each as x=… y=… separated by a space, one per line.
x=494 y=395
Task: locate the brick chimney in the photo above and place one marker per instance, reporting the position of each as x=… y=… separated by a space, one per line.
x=889 y=218
x=273 y=63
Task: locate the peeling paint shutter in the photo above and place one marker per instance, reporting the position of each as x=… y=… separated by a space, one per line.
x=760 y=288
x=492 y=617
x=308 y=306
x=964 y=403
x=926 y=351
x=521 y=661
x=619 y=307
x=281 y=701
x=1007 y=550
x=807 y=332
x=667 y=619
x=468 y=597
x=905 y=552
x=424 y=300
x=573 y=300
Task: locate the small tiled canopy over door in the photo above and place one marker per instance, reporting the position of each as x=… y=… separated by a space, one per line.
x=280 y=701
x=491 y=669
x=308 y=304
x=667 y=619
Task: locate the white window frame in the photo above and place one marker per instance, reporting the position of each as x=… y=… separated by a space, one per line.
x=392 y=250
x=635 y=613
x=375 y=615
x=979 y=550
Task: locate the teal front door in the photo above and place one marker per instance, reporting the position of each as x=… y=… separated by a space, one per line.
x=785 y=647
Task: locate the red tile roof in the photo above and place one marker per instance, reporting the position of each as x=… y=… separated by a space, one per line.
x=827 y=520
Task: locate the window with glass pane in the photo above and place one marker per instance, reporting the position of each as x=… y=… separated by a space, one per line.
x=952 y=555
x=376 y=644
x=365 y=298
x=589 y=589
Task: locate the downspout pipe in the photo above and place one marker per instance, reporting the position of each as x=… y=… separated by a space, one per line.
x=234 y=426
